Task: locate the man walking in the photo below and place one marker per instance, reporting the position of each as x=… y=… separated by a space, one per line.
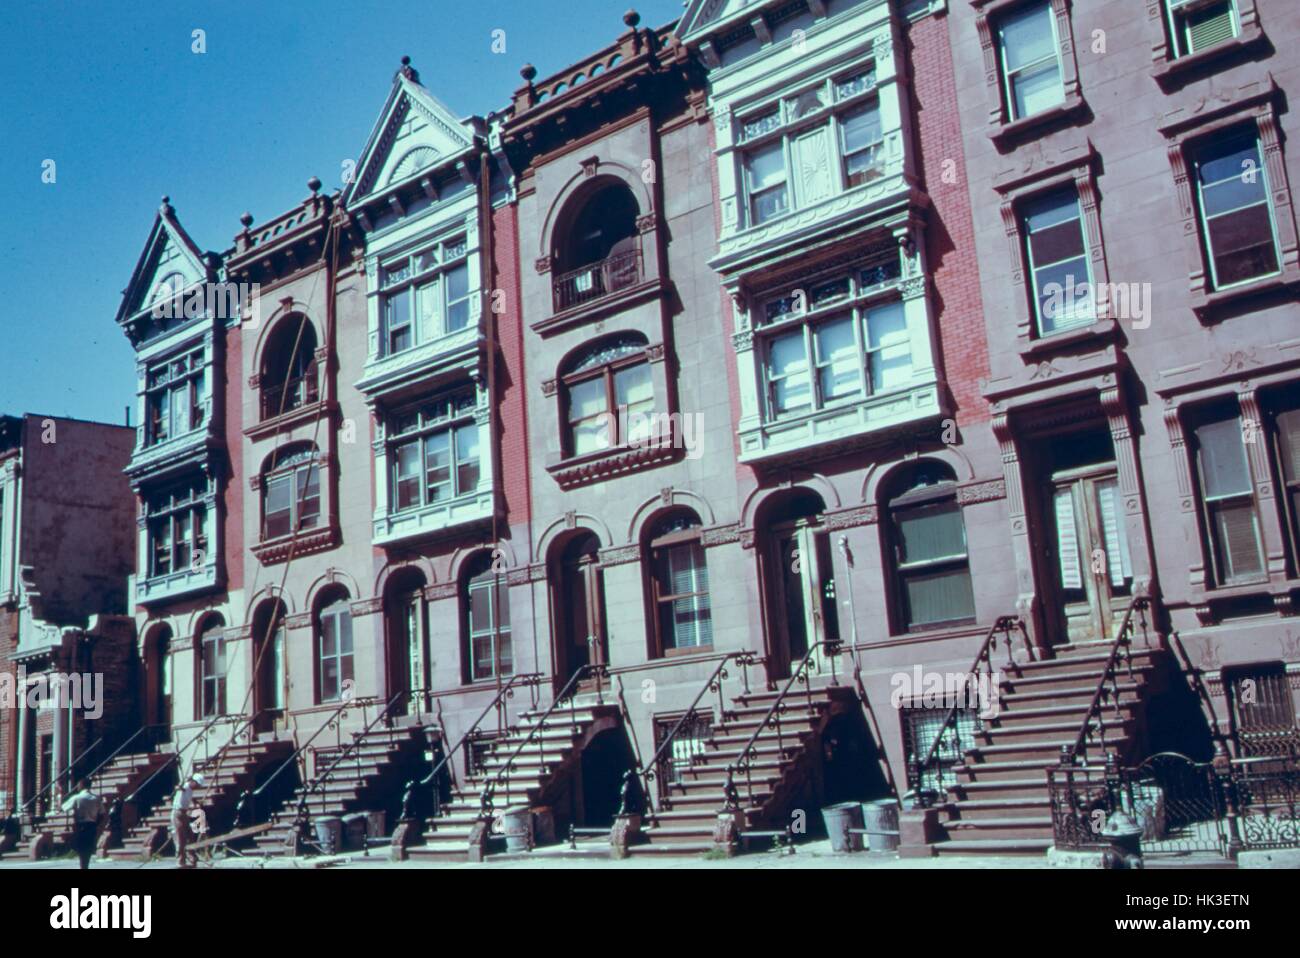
x=87 y=812
x=182 y=808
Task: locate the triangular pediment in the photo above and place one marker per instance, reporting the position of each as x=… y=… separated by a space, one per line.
x=169 y=263
x=416 y=132
x=701 y=14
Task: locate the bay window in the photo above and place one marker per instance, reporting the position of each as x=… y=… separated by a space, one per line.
x=1060 y=274
x=174 y=397
x=434 y=452
x=803 y=132
x=425 y=294
x=1031 y=60
x=830 y=344
x=175 y=520
x=1236 y=215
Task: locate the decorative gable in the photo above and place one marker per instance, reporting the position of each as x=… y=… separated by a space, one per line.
x=169 y=263
x=415 y=132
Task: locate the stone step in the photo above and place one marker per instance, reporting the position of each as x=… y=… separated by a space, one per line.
x=999 y=846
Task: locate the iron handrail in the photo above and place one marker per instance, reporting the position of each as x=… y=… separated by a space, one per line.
x=567 y=693
x=328 y=723
x=56 y=779
x=507 y=691
x=321 y=778
x=773 y=716
x=712 y=684
x=1070 y=753
x=221 y=752
x=1003 y=624
x=176 y=755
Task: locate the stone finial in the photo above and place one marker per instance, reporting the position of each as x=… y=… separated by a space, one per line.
x=529 y=73
x=409 y=71
x=166 y=206
x=246 y=220
x=632 y=18
x=313 y=184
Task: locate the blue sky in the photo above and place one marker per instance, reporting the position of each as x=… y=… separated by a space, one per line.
x=112 y=92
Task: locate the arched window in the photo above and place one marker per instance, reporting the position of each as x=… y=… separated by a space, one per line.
x=679 y=585
x=608 y=396
x=289 y=368
x=334 y=647
x=290 y=491
x=487 y=622
x=596 y=250
x=212 y=666
x=928 y=540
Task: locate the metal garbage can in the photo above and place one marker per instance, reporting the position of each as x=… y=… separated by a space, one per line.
x=517 y=824
x=881 y=824
x=839 y=819
x=329 y=833
x=354 y=831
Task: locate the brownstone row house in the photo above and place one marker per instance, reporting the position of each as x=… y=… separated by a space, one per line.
x=687 y=415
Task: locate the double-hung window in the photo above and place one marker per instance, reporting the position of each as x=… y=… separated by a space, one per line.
x=609 y=397
x=291 y=493
x=829 y=133
x=1059 y=271
x=930 y=553
x=174 y=520
x=1031 y=60
x=1228 y=501
x=1286 y=450
x=488 y=609
x=1196 y=25
x=434 y=452
x=831 y=344
x=426 y=294
x=174 y=397
x=335 y=651
x=1236 y=214
x=680 y=586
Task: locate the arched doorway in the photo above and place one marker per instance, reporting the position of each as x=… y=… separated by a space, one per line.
x=798 y=582
x=160 y=694
x=406 y=625
x=270 y=696
x=579 y=603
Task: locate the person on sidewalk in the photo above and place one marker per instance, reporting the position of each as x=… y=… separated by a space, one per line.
x=87 y=814
x=182 y=809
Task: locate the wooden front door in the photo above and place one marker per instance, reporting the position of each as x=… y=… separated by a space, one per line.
x=405 y=651
x=801 y=593
x=1093 y=571
x=582 y=637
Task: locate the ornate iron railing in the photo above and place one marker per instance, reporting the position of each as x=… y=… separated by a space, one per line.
x=567 y=695
x=472 y=737
x=296 y=391
x=931 y=766
x=595 y=280
x=1107 y=691
x=744 y=761
x=659 y=767
x=1267 y=800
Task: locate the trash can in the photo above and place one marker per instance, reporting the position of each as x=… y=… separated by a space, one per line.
x=354 y=831
x=881 y=824
x=329 y=833
x=839 y=820
x=517 y=823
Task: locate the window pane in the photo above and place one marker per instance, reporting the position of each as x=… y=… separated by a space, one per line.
x=1027 y=36
x=427 y=298
x=1242 y=245
x=586 y=399
x=930 y=532
x=278 y=493
x=1244 y=189
x=766 y=167
x=1036 y=90
x=1236 y=535
x=1227 y=159
x=407 y=470
x=1223 y=459
x=437 y=465
x=1056 y=243
x=938 y=596
x=467 y=461
x=891 y=348
x=860 y=129
x=1064 y=294
x=788 y=368
x=308 y=496
x=839 y=369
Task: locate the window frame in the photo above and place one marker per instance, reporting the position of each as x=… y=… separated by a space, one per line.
x=911 y=500
x=169 y=513
x=337 y=612
x=1203 y=218
x=857 y=305
x=294 y=465
x=1176 y=18
x=844 y=92
x=607 y=372
x=459 y=414
x=663 y=541
x=1207 y=514
x=447 y=255
x=212 y=685
x=1032 y=268
x=498 y=634
x=1008 y=88
x=164 y=383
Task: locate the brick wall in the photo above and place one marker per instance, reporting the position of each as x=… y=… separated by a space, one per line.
x=513 y=406
x=950 y=230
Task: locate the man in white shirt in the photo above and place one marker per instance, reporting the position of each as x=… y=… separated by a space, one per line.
x=87 y=812
x=182 y=809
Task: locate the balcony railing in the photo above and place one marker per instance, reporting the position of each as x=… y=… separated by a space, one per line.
x=278 y=398
x=595 y=280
